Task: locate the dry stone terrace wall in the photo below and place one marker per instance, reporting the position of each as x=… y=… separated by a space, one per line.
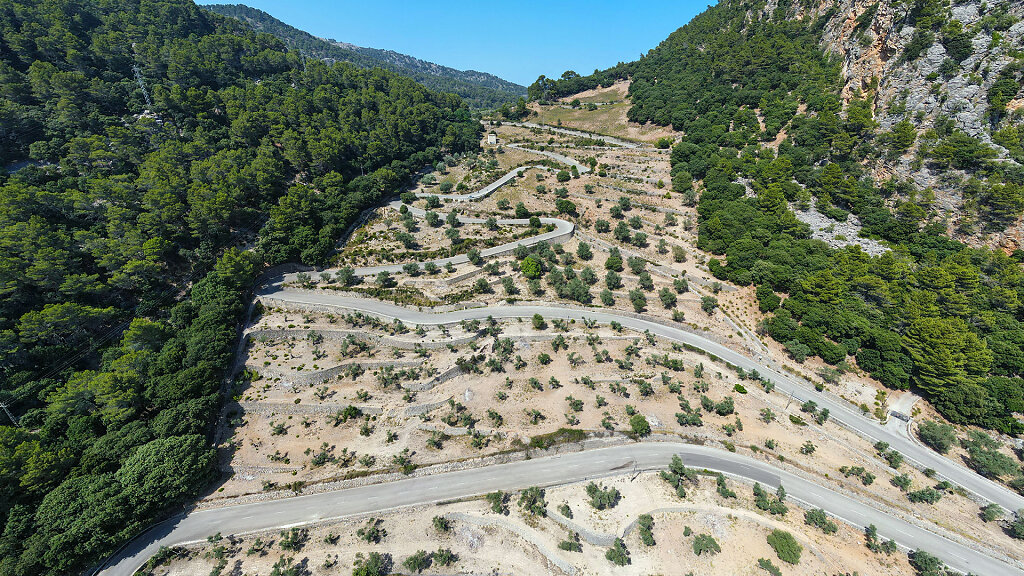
x=322 y=309
x=287 y=408
x=460 y=430
x=434 y=382
x=552 y=557
x=610 y=139
x=390 y=341
x=444 y=283
x=327 y=309
x=589 y=536
x=424 y=408
x=296 y=378
x=660 y=269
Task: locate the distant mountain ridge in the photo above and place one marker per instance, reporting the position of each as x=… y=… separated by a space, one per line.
x=480 y=89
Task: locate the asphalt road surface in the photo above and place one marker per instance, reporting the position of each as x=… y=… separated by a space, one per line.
x=839 y=409
x=563 y=230
x=570 y=132
x=515 y=172
x=582 y=465
x=486 y=190
x=547 y=471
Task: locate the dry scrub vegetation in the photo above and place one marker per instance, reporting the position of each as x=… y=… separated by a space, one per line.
x=336 y=400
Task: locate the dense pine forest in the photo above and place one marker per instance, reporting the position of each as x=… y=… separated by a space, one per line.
x=766 y=130
x=125 y=218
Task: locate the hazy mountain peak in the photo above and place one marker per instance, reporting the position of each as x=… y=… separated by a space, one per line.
x=478 y=88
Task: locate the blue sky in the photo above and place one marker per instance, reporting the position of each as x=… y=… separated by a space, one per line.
x=516 y=40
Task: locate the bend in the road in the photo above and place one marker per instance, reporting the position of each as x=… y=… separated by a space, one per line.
x=509 y=176
x=839 y=409
x=563 y=230
x=545 y=471
x=196 y=526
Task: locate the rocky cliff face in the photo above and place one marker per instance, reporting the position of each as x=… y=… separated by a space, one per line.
x=871 y=39
x=874 y=52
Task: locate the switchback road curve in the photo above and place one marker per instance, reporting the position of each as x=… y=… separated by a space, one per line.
x=511 y=174
x=562 y=230
x=839 y=409
x=567 y=468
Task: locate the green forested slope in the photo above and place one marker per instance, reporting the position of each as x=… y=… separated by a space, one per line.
x=932 y=313
x=478 y=88
x=121 y=286
x=704 y=72
x=570 y=82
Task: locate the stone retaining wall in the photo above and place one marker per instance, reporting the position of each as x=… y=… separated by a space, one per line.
x=589 y=536
x=528 y=535
x=263 y=469
x=310 y=378
x=392 y=341
x=634 y=315
x=283 y=408
x=459 y=430
x=272 y=301
x=437 y=380
x=424 y=408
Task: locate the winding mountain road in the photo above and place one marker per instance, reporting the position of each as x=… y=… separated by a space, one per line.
x=578 y=466
x=562 y=231
x=546 y=471
x=840 y=411
x=512 y=174
x=570 y=132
